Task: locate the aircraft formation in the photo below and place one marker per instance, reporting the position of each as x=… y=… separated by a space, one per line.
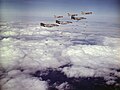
x=73 y=16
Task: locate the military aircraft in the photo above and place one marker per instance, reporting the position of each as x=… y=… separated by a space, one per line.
x=77 y=18
x=72 y=14
x=48 y=25
x=62 y=22
x=58 y=16
x=85 y=13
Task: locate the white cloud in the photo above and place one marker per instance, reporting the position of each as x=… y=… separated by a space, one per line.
x=23 y=82
x=92 y=61
x=63 y=86
x=78 y=72
x=39 y=49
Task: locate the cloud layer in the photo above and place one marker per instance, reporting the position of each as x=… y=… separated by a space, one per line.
x=27 y=50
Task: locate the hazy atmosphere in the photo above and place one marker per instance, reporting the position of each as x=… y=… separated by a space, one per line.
x=59 y=45
x=47 y=8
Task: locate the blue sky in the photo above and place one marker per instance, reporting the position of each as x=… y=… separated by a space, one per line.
x=50 y=7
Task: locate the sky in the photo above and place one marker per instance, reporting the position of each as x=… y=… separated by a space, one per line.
x=47 y=8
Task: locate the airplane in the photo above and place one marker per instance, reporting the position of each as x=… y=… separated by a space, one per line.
x=72 y=14
x=58 y=16
x=86 y=13
x=48 y=25
x=62 y=22
x=77 y=18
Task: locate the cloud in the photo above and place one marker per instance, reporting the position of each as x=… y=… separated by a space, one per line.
x=24 y=82
x=92 y=61
x=32 y=49
x=63 y=86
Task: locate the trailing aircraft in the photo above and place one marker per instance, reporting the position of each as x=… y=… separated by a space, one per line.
x=86 y=13
x=62 y=22
x=77 y=18
x=48 y=25
x=58 y=16
x=72 y=14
